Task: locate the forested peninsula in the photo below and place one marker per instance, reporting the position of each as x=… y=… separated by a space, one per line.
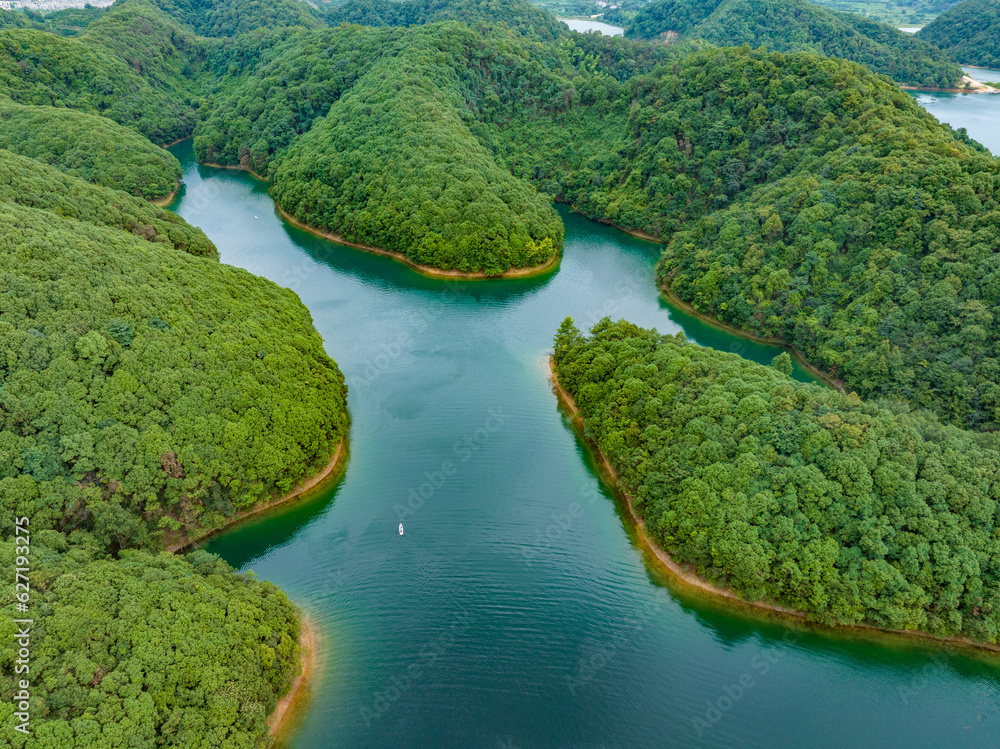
x=969 y=32
x=800 y=26
x=147 y=393
x=794 y=494
x=150 y=394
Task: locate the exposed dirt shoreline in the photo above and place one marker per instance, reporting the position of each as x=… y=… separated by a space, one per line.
x=974 y=87
x=301 y=488
x=688 y=578
x=167 y=199
x=426 y=270
x=308 y=657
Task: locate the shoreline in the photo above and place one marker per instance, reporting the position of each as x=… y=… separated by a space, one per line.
x=290 y=704
x=825 y=377
x=976 y=87
x=425 y=270
x=251 y=172
x=174 y=143
x=687 y=578
x=306 y=485
x=167 y=199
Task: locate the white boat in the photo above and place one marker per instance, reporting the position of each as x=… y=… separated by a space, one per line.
x=400 y=529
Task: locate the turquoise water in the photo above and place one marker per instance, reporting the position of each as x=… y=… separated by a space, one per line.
x=518 y=609
x=979 y=114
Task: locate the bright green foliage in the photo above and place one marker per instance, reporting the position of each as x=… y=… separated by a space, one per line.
x=287 y=94
x=31 y=184
x=970 y=33
x=519 y=15
x=895 y=12
x=794 y=493
x=10 y=19
x=872 y=246
x=800 y=26
x=146 y=651
x=394 y=165
x=218 y=18
x=804 y=199
x=92 y=148
x=133 y=66
x=148 y=390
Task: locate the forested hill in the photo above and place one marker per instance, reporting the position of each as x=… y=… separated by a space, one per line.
x=792 y=493
x=394 y=164
x=969 y=32
x=145 y=393
x=93 y=148
x=222 y=18
x=135 y=66
x=519 y=15
x=799 y=25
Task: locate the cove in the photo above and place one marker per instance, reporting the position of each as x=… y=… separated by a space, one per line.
x=519 y=609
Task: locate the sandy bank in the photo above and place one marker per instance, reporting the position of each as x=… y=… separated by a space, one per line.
x=308 y=658
x=176 y=543
x=974 y=87
x=686 y=577
x=427 y=270
x=167 y=199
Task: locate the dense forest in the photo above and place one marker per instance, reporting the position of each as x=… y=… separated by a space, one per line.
x=894 y=12
x=34 y=185
x=149 y=393
x=794 y=493
x=92 y=148
x=797 y=26
x=147 y=651
x=394 y=165
x=519 y=15
x=969 y=32
x=803 y=199
x=446 y=144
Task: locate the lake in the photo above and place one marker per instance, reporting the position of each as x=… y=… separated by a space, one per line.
x=979 y=114
x=520 y=610
x=583 y=26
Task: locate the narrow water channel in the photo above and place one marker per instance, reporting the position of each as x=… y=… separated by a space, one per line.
x=519 y=610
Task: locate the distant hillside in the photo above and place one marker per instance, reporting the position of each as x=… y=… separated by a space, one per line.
x=799 y=25
x=219 y=18
x=895 y=12
x=969 y=32
x=519 y=15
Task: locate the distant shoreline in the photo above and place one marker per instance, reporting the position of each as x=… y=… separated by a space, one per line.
x=977 y=87
x=306 y=485
x=686 y=576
